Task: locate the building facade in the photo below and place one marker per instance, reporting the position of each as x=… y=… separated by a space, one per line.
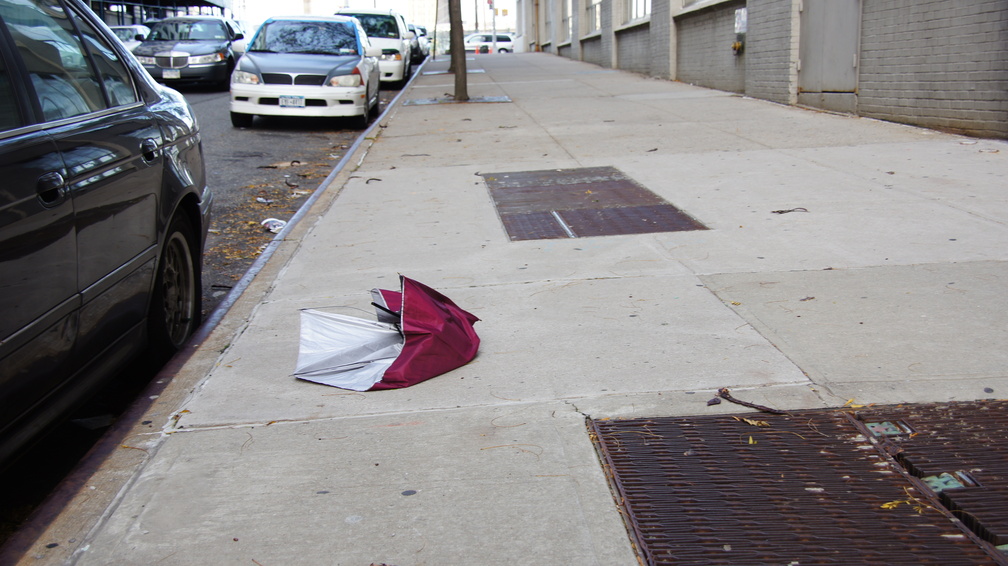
x=940 y=64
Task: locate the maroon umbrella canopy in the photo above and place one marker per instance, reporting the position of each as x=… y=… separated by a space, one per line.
x=439 y=335
x=434 y=336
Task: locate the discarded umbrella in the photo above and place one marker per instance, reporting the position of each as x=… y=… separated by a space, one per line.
x=419 y=334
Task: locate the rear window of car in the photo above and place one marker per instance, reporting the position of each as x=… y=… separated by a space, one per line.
x=323 y=38
x=377 y=25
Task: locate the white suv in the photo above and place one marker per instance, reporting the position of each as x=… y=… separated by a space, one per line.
x=484 y=43
x=387 y=30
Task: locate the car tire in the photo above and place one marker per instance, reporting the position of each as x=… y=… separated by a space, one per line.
x=177 y=298
x=226 y=83
x=361 y=122
x=241 y=120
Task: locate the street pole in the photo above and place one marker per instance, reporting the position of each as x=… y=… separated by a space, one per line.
x=458 y=62
x=493 y=17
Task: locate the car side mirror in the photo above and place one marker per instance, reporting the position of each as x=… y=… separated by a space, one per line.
x=409 y=35
x=373 y=51
x=239 y=36
x=140 y=37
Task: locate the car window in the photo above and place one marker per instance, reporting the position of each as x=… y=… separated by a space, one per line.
x=64 y=82
x=326 y=38
x=378 y=25
x=10 y=114
x=503 y=38
x=114 y=76
x=125 y=34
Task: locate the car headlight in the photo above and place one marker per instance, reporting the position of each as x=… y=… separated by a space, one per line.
x=391 y=55
x=205 y=59
x=244 y=78
x=346 y=80
x=146 y=60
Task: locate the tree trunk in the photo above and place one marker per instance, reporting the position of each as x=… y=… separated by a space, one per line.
x=458 y=62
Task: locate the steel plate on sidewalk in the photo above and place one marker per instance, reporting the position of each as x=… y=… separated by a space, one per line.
x=922 y=484
x=574 y=203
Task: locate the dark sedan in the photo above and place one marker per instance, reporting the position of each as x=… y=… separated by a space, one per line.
x=103 y=214
x=194 y=49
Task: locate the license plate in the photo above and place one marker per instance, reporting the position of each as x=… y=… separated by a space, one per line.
x=171 y=74
x=292 y=102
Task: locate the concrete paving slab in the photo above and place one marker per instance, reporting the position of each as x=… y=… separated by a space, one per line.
x=509 y=485
x=915 y=325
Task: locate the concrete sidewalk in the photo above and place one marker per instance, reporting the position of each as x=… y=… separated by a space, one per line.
x=888 y=287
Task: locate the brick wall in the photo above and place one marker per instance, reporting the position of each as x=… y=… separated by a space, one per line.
x=936 y=63
x=703 y=48
x=771 y=48
x=933 y=63
x=633 y=49
x=591 y=51
x=661 y=37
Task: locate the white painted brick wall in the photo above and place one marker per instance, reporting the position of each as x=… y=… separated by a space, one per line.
x=704 y=54
x=633 y=49
x=936 y=63
x=771 y=48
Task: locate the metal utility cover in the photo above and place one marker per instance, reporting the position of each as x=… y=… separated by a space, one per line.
x=813 y=487
x=573 y=203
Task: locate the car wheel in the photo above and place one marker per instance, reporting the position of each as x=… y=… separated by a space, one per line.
x=176 y=302
x=361 y=122
x=503 y=51
x=226 y=83
x=241 y=120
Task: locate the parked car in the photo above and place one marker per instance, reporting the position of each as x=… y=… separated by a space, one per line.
x=421 y=44
x=200 y=49
x=131 y=36
x=307 y=66
x=388 y=31
x=103 y=214
x=484 y=43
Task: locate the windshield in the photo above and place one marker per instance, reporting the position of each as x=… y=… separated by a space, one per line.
x=184 y=31
x=377 y=25
x=125 y=34
x=324 y=38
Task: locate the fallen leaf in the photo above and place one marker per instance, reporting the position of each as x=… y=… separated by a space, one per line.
x=751 y=422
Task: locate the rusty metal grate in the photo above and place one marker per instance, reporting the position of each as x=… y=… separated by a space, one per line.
x=813 y=487
x=583 y=202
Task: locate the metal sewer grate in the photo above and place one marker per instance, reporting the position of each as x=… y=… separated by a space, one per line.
x=814 y=487
x=583 y=202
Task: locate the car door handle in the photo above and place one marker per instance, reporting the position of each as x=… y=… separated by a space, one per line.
x=51 y=189
x=148 y=150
